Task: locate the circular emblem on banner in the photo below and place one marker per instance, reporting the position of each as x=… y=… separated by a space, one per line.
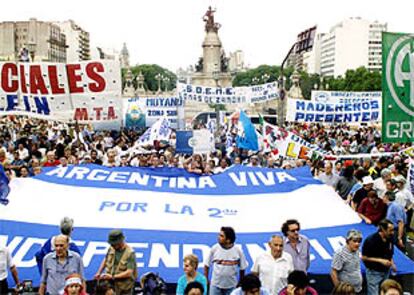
x=400 y=73
x=192 y=142
x=322 y=97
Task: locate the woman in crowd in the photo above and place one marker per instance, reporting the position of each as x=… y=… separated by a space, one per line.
x=191 y=274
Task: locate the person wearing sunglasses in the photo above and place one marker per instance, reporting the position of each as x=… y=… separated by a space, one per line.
x=296 y=245
x=346 y=265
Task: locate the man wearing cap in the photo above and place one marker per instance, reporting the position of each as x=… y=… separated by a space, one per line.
x=66 y=228
x=362 y=193
x=346 y=266
x=396 y=214
x=58 y=265
x=119 y=264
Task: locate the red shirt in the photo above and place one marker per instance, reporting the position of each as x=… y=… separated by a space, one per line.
x=51 y=164
x=375 y=214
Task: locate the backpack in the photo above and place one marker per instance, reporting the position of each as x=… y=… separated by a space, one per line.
x=153 y=284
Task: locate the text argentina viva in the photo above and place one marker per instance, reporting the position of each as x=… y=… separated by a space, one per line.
x=240 y=179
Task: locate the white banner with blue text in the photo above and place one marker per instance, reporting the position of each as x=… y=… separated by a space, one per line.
x=344 y=96
x=167 y=213
x=228 y=95
x=299 y=110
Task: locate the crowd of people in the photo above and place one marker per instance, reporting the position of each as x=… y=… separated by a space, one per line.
x=280 y=270
x=374 y=186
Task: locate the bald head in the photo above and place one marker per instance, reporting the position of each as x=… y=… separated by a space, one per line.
x=61 y=245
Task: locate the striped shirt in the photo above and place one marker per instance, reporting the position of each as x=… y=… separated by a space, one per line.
x=348 y=265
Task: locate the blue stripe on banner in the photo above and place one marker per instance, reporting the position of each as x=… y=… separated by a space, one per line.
x=163 y=251
x=237 y=180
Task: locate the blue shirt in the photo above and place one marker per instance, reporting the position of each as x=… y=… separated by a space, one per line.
x=182 y=283
x=300 y=254
x=54 y=273
x=396 y=213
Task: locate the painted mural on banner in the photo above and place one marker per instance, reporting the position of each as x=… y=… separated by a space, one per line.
x=88 y=91
x=167 y=213
x=397 y=87
x=299 y=110
x=228 y=95
x=142 y=112
x=287 y=144
x=344 y=96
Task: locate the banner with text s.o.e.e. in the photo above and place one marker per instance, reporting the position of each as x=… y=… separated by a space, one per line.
x=88 y=91
x=168 y=213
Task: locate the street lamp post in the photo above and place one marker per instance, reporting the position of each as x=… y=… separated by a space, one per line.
x=216 y=77
x=159 y=77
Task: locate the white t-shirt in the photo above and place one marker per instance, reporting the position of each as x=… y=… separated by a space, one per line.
x=273 y=273
x=5 y=262
x=225 y=263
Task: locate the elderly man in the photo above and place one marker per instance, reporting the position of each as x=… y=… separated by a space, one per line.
x=328 y=177
x=58 y=265
x=66 y=228
x=296 y=245
x=120 y=264
x=346 y=266
x=274 y=267
x=380 y=183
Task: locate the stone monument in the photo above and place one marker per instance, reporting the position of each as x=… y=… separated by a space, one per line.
x=129 y=90
x=212 y=68
x=295 y=91
x=140 y=85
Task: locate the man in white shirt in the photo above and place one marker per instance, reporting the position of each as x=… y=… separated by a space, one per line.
x=274 y=267
x=6 y=263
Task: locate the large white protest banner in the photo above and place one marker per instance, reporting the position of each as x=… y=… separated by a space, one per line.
x=168 y=213
x=299 y=110
x=88 y=91
x=228 y=95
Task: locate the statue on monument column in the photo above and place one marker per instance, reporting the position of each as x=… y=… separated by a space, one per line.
x=208 y=17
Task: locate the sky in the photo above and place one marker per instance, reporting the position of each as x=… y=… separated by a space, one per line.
x=170 y=32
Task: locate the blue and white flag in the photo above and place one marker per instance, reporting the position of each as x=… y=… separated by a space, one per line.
x=211 y=125
x=167 y=213
x=160 y=130
x=194 y=142
x=4 y=187
x=246 y=137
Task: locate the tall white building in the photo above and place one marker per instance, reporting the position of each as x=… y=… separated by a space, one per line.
x=44 y=41
x=236 y=61
x=77 y=40
x=311 y=60
x=353 y=43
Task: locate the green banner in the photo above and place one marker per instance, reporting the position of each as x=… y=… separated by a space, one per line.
x=397 y=87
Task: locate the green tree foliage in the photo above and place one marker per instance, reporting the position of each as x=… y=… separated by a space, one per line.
x=149 y=72
x=247 y=78
x=357 y=80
